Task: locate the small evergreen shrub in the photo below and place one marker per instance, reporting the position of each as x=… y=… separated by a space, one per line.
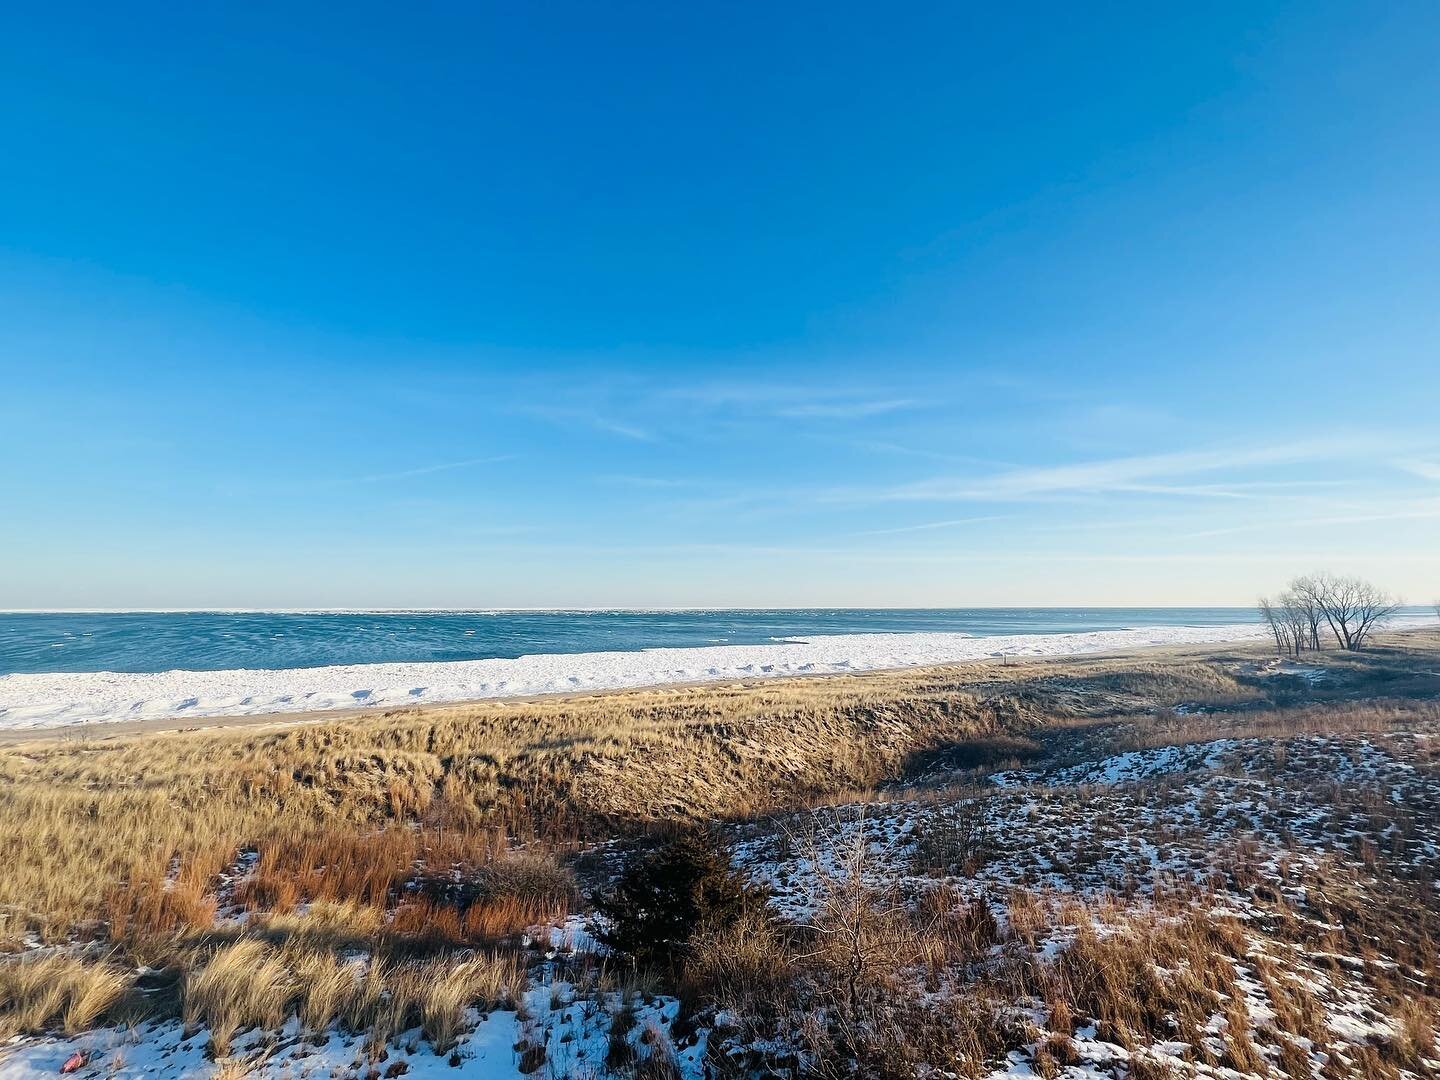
x=663 y=897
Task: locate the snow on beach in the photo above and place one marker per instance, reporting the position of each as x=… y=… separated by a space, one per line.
x=65 y=698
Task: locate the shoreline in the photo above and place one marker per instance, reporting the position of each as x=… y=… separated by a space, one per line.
x=119 y=729
x=549 y=676
x=105 y=730
x=59 y=699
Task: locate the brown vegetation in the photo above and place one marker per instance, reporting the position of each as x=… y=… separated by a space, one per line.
x=428 y=841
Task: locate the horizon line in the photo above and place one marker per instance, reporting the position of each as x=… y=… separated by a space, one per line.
x=626 y=609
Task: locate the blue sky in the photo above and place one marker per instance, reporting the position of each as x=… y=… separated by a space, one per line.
x=596 y=304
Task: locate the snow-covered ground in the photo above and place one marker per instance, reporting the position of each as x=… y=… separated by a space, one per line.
x=1090 y=827
x=45 y=700
x=562 y=1025
x=556 y=1033
x=1128 y=834
x=1117 y=831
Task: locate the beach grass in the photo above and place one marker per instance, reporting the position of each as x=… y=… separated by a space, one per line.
x=430 y=840
x=136 y=830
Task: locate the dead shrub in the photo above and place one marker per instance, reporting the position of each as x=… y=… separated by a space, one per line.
x=744 y=965
x=953 y=843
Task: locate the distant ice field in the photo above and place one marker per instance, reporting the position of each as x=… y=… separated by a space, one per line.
x=56 y=698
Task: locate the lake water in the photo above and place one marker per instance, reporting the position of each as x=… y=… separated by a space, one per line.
x=213 y=641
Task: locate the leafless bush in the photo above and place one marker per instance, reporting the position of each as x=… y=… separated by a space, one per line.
x=955 y=842
x=862 y=934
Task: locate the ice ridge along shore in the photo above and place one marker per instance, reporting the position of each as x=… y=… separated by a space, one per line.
x=57 y=699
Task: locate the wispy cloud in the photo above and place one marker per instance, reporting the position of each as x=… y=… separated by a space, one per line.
x=624 y=430
x=578 y=417
x=425 y=470
x=1280 y=556
x=953 y=523
x=744 y=395
x=1145 y=474
x=881 y=446
x=1426 y=470
x=793 y=401
x=844 y=410
x=656 y=482
x=1423 y=510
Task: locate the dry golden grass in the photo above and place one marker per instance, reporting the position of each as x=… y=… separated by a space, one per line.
x=1153 y=981
x=329 y=982
x=743 y=965
x=133 y=832
x=243 y=985
x=58 y=989
x=328 y=921
x=373 y=970
x=251 y=982
x=446 y=990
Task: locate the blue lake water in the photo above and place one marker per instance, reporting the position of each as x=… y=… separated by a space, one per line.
x=213 y=641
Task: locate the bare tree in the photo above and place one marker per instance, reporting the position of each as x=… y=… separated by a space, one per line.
x=1297 y=619
x=1351 y=607
x=1373 y=608
x=1294 y=619
x=1312 y=615
x=1276 y=622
